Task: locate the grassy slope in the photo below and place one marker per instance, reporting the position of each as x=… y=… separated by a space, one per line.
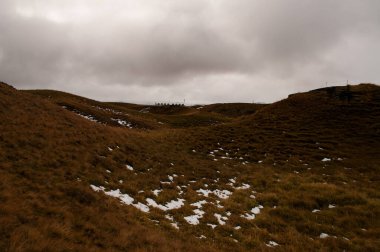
x=45 y=151
x=50 y=156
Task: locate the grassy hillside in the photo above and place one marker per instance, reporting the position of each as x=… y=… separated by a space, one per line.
x=300 y=174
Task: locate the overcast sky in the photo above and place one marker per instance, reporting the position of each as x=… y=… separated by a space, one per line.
x=203 y=51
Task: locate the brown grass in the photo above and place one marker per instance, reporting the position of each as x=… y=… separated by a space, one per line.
x=49 y=156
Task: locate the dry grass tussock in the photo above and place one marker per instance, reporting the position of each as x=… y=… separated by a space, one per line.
x=300 y=174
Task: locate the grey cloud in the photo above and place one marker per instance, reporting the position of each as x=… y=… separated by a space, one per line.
x=208 y=51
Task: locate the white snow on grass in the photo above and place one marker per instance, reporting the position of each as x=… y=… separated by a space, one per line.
x=218 y=205
x=171 y=179
x=323 y=236
x=192 y=219
x=124 y=198
x=222 y=194
x=272 y=244
x=173 y=223
x=248 y=216
x=156 y=192
x=213 y=226
x=174 y=204
x=332 y=206
x=122 y=122
x=199 y=204
x=109 y=110
x=205 y=192
x=129 y=167
x=88 y=117
x=142 y=207
x=221 y=219
x=254 y=211
x=315 y=211
x=97 y=188
x=199 y=213
x=326 y=160
x=243 y=187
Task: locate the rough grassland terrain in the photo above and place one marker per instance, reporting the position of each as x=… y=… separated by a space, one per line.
x=301 y=174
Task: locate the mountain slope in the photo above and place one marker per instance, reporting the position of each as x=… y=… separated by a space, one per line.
x=45 y=151
x=223 y=177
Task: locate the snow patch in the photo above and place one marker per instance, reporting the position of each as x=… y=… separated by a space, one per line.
x=129 y=167
x=213 y=226
x=205 y=192
x=88 y=117
x=156 y=192
x=173 y=223
x=174 y=204
x=223 y=194
x=192 y=219
x=221 y=219
x=272 y=244
x=323 y=236
x=124 y=198
x=142 y=207
x=248 y=216
x=122 y=122
x=255 y=210
x=199 y=204
x=243 y=187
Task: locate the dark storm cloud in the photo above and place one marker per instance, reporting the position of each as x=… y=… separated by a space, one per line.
x=204 y=51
